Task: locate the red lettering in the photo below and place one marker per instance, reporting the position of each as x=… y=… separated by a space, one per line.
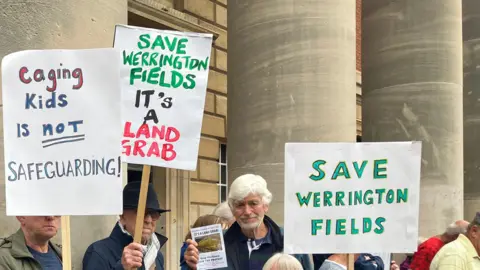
x=126 y=131
x=168 y=147
x=160 y=132
x=38 y=75
x=127 y=149
x=78 y=74
x=21 y=74
x=153 y=150
x=137 y=148
x=143 y=130
x=169 y=132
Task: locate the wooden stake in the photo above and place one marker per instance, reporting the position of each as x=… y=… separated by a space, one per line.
x=142 y=200
x=351 y=261
x=66 y=245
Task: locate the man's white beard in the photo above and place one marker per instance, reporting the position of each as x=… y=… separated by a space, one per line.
x=251 y=226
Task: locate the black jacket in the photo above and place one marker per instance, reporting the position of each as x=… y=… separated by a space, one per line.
x=106 y=254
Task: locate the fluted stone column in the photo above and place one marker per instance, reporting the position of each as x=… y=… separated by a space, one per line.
x=54 y=24
x=412 y=90
x=291 y=78
x=471 y=105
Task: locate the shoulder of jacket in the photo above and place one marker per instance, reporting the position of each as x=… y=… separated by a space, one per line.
x=5 y=243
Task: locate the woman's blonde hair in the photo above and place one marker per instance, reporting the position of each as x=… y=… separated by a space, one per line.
x=205 y=221
x=282 y=261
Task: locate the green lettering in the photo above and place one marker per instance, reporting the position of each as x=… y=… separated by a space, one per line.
x=380 y=194
x=402 y=195
x=341 y=227
x=358 y=197
x=171 y=44
x=153 y=74
x=390 y=196
x=341 y=170
x=177 y=79
x=182 y=45
x=127 y=59
x=316 y=166
x=162 y=80
x=380 y=229
x=367 y=225
x=145 y=58
x=339 y=198
x=327 y=195
x=316 y=225
x=367 y=197
x=189 y=78
x=134 y=74
x=144 y=41
x=359 y=171
x=302 y=200
x=158 y=43
x=329 y=226
x=377 y=169
x=316 y=199
x=354 y=230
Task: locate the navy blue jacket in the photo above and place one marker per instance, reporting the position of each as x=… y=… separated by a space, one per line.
x=237 y=251
x=106 y=254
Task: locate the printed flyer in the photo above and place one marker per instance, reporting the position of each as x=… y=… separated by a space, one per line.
x=210 y=246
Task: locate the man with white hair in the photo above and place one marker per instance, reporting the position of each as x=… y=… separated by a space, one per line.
x=254 y=237
x=428 y=249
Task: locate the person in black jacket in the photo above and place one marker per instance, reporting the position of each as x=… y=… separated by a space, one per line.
x=118 y=251
x=254 y=237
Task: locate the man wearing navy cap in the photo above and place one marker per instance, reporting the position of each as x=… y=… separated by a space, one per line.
x=118 y=251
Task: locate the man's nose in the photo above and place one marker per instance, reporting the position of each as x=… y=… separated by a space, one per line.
x=50 y=218
x=148 y=218
x=248 y=209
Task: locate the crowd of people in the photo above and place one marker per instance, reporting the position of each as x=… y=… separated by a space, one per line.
x=252 y=240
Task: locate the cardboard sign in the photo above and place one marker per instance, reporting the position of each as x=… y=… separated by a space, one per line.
x=352 y=197
x=62 y=132
x=163 y=80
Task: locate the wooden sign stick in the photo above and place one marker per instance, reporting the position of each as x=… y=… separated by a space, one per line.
x=142 y=200
x=351 y=261
x=66 y=245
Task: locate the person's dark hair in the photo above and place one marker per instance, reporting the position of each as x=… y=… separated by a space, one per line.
x=205 y=221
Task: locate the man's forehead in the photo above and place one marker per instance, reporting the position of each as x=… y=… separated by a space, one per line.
x=249 y=198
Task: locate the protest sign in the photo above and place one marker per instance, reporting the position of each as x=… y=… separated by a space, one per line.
x=211 y=247
x=62 y=132
x=352 y=197
x=164 y=80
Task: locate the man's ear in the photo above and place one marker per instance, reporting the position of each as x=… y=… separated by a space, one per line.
x=265 y=208
x=21 y=219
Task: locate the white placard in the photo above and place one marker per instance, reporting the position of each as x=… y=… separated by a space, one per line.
x=352 y=197
x=210 y=246
x=164 y=80
x=62 y=132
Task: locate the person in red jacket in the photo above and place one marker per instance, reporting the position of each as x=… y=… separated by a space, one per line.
x=428 y=249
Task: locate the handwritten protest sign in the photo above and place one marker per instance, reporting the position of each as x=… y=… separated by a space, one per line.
x=62 y=132
x=211 y=247
x=164 y=80
x=352 y=197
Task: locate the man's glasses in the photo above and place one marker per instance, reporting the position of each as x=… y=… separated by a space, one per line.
x=155 y=215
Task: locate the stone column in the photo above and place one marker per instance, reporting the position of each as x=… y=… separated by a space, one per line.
x=54 y=24
x=291 y=78
x=471 y=105
x=412 y=91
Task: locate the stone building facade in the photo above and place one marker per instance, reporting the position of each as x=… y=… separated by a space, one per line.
x=90 y=23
